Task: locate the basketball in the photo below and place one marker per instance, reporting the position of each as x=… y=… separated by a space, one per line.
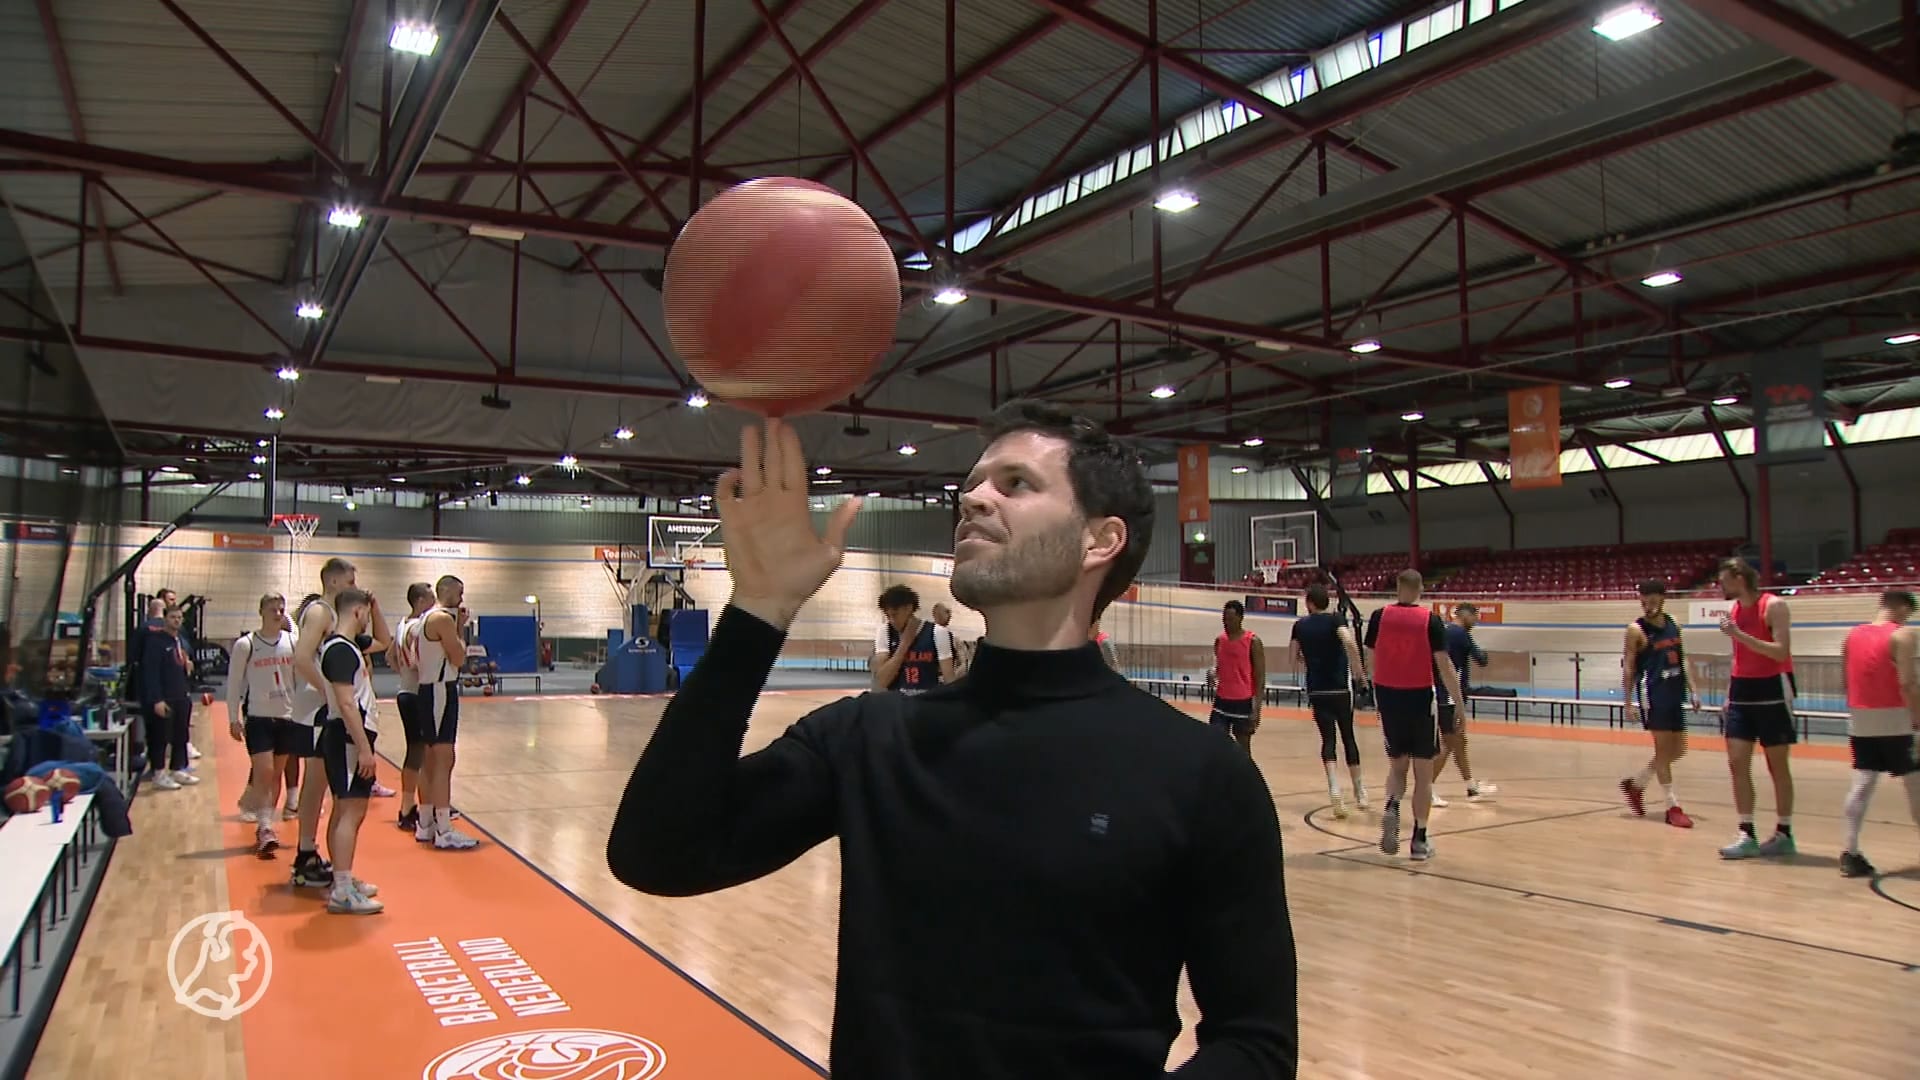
x=67 y=784
x=206 y=697
x=781 y=295
x=27 y=794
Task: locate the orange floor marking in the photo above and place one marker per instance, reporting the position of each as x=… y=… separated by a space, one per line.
x=1486 y=726
x=480 y=968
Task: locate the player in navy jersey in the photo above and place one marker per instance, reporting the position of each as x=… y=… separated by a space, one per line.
x=1655 y=687
x=1325 y=647
x=909 y=655
x=1452 y=716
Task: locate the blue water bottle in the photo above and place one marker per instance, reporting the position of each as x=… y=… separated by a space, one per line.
x=59 y=800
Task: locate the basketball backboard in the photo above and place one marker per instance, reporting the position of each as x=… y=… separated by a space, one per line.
x=1292 y=539
x=678 y=543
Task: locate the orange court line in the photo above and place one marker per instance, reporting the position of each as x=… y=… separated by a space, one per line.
x=1481 y=725
x=480 y=966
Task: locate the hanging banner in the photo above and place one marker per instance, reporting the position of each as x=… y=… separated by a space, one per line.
x=1790 y=408
x=1351 y=462
x=1533 y=437
x=1195 y=499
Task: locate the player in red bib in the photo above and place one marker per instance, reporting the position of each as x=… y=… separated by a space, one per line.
x=1239 y=676
x=1883 y=705
x=1758 y=708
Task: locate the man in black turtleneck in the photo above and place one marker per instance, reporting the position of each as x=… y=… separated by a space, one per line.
x=1030 y=854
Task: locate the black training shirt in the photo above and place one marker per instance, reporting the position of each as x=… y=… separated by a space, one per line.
x=1319 y=638
x=1028 y=857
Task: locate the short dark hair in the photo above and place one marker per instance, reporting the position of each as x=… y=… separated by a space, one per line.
x=1466 y=609
x=895 y=597
x=1653 y=587
x=350 y=598
x=1107 y=476
x=417 y=592
x=334 y=567
x=1743 y=568
x=1235 y=606
x=174 y=609
x=1893 y=598
x=1317 y=596
x=1409 y=579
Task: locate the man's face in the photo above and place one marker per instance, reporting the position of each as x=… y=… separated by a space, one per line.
x=1021 y=535
x=273 y=613
x=1651 y=604
x=335 y=584
x=175 y=619
x=353 y=620
x=1230 y=619
x=942 y=614
x=1732 y=585
x=1467 y=618
x=456 y=594
x=899 y=617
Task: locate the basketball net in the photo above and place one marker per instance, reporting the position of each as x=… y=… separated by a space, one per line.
x=1270 y=570
x=300 y=529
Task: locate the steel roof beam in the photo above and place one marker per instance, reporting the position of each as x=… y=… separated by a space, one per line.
x=1817 y=44
x=429 y=90
x=63 y=74
x=517 y=98
x=299 y=249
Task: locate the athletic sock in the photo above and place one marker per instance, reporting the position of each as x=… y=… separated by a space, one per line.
x=1746 y=825
x=1419 y=834
x=442 y=818
x=1333 y=780
x=1644 y=781
x=342 y=881
x=1785 y=828
x=1856 y=806
x=1673 y=798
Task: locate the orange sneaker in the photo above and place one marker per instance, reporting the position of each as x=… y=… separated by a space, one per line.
x=1678 y=818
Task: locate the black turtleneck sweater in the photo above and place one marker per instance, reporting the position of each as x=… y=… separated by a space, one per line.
x=1028 y=857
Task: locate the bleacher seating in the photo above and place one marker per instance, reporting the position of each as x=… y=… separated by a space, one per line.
x=1588 y=570
x=1895 y=562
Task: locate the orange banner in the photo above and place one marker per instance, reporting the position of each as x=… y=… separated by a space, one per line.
x=1195 y=498
x=1533 y=440
x=1489 y=613
x=244 y=541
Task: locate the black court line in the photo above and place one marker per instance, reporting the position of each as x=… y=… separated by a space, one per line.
x=643 y=946
x=1665 y=920
x=1359 y=845
x=1880 y=890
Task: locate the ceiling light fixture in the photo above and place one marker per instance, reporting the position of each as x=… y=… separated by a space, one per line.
x=1370 y=345
x=259 y=459
x=824 y=470
x=1239 y=470
x=696 y=400
x=949 y=487
x=908 y=450
x=1617 y=384
x=274 y=412
x=288 y=373
x=523 y=479
x=396 y=479
x=1253 y=440
x=950 y=296
x=568 y=461
x=873 y=494
x=1162 y=392
x=1413 y=416
x=309 y=310
x=1623 y=23
x=344 y=217
x=169 y=468
x=1907 y=338
x=1177 y=201
x=253 y=476
x=1727 y=400
x=623 y=432
x=1662 y=279
x=420 y=39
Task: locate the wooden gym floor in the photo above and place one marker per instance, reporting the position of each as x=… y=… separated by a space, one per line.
x=1552 y=935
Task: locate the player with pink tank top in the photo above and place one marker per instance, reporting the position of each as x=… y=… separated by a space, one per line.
x=1758 y=706
x=1239 y=674
x=1883 y=704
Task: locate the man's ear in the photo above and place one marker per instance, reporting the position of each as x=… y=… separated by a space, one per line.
x=1106 y=539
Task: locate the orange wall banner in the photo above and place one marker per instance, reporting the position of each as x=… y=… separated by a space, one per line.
x=1489 y=613
x=244 y=541
x=1195 y=498
x=1533 y=441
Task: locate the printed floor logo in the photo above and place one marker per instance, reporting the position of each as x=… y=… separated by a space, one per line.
x=556 y=1054
x=210 y=940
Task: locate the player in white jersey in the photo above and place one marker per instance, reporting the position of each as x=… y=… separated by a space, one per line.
x=317 y=619
x=404 y=660
x=346 y=746
x=260 y=712
x=440 y=653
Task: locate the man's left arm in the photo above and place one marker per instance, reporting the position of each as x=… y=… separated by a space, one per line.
x=943 y=652
x=1257 y=653
x=1239 y=951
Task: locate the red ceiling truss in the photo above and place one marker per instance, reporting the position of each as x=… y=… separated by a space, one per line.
x=635 y=165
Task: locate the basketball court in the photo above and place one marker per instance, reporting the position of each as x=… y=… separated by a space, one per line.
x=1547 y=300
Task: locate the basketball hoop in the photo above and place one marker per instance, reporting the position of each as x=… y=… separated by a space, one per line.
x=1270 y=569
x=300 y=529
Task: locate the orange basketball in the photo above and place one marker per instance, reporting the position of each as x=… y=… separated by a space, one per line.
x=781 y=296
x=67 y=784
x=27 y=794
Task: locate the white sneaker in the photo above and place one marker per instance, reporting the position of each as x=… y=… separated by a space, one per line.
x=185 y=777
x=289 y=813
x=1339 y=804
x=193 y=752
x=165 y=781
x=251 y=817
x=1438 y=801
x=452 y=839
x=366 y=888
x=1481 y=791
x=1360 y=798
x=354 y=902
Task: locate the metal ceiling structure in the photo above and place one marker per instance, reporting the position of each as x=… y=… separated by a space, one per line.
x=1479 y=187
